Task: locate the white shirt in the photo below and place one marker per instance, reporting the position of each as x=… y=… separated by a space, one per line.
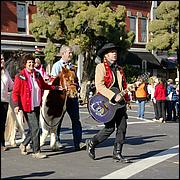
x=6 y=86
x=36 y=93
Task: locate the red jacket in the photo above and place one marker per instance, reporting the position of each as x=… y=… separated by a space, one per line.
x=160 y=92
x=21 y=93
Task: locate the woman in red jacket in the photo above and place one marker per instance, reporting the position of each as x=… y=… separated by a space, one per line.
x=160 y=99
x=27 y=95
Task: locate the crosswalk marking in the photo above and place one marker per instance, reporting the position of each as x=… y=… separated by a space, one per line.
x=140 y=120
x=139 y=166
x=150 y=112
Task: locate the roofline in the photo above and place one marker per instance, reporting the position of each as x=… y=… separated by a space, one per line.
x=14 y=45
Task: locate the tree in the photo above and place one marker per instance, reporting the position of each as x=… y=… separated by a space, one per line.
x=83 y=24
x=165 y=29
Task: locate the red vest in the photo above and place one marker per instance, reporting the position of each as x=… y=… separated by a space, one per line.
x=108 y=78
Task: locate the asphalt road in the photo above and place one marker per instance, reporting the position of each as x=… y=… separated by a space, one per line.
x=153 y=147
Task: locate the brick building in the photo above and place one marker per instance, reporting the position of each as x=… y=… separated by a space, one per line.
x=15 y=34
x=16 y=37
x=138 y=16
x=15 y=19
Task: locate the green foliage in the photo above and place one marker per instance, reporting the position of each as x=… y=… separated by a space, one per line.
x=86 y=24
x=165 y=28
x=38 y=26
x=50 y=52
x=157 y=26
x=131 y=73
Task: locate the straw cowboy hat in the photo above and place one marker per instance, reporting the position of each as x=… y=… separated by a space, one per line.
x=106 y=48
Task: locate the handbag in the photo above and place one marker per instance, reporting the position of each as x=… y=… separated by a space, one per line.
x=169 y=97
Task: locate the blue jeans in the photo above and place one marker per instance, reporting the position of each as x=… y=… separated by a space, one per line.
x=141 y=108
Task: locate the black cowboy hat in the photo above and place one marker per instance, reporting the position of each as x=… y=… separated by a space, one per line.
x=107 y=47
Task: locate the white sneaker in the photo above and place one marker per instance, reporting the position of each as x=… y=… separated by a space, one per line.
x=39 y=155
x=22 y=147
x=82 y=146
x=60 y=145
x=161 y=120
x=28 y=147
x=14 y=145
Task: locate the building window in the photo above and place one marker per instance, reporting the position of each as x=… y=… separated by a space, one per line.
x=133 y=24
x=143 y=30
x=21 y=17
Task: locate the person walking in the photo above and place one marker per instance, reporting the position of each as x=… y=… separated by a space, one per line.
x=160 y=100
x=153 y=83
x=172 y=98
x=141 y=94
x=27 y=95
x=177 y=102
x=6 y=86
x=72 y=104
x=39 y=67
x=108 y=74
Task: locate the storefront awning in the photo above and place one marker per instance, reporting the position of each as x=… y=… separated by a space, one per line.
x=136 y=58
x=167 y=63
x=147 y=56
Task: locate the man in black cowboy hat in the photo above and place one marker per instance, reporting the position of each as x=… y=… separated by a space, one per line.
x=101 y=52
x=107 y=75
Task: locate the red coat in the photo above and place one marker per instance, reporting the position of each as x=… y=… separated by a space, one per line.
x=22 y=93
x=160 y=92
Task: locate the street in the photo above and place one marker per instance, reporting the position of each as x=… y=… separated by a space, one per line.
x=152 y=147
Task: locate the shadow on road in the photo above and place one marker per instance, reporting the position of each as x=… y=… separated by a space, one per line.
x=36 y=174
x=146 y=155
x=141 y=139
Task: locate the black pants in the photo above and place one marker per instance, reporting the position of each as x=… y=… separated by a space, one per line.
x=155 y=110
x=3 y=116
x=72 y=108
x=34 y=129
x=161 y=107
x=171 y=110
x=120 y=120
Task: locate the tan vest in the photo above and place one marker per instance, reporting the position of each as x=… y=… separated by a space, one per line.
x=100 y=72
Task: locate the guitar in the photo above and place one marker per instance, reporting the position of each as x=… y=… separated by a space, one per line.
x=102 y=110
